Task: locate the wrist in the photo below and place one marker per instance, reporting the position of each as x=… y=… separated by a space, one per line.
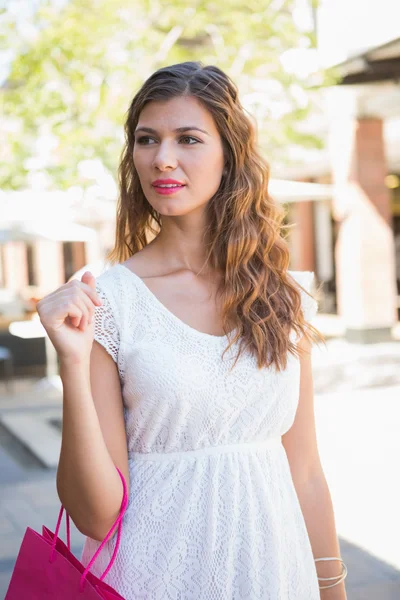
x=70 y=365
x=337 y=592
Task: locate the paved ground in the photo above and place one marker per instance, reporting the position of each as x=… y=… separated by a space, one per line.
x=357 y=408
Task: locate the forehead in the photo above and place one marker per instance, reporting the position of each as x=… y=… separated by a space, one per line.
x=176 y=112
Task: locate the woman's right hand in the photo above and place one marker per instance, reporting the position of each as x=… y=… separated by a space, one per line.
x=67 y=314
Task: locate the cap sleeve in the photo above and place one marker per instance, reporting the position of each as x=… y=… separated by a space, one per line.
x=308 y=304
x=106 y=320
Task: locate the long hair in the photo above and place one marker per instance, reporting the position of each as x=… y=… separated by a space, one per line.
x=244 y=233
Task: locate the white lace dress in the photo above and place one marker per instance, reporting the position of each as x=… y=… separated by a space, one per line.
x=213 y=513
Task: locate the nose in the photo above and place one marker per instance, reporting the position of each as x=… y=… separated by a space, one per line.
x=165 y=158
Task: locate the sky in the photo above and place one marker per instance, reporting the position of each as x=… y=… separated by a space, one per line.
x=349 y=27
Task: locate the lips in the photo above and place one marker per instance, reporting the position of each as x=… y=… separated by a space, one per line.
x=167 y=186
x=167 y=182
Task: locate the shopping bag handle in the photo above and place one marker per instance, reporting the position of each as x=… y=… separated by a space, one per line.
x=118 y=522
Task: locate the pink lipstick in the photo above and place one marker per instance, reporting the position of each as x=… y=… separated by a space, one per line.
x=167 y=186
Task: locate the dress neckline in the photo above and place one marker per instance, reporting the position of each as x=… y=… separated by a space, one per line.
x=173 y=316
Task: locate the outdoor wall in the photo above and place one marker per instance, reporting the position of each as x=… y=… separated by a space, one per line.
x=15 y=265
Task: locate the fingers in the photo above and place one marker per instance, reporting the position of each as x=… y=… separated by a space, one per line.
x=86 y=306
x=88 y=278
x=75 y=300
x=82 y=300
x=68 y=306
x=78 y=313
x=90 y=291
x=89 y=298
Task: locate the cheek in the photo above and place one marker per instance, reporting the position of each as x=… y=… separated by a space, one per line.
x=205 y=166
x=212 y=173
x=140 y=160
x=205 y=181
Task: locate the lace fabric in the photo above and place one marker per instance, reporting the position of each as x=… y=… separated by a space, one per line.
x=213 y=513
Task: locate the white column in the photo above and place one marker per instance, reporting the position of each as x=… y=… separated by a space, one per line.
x=364 y=253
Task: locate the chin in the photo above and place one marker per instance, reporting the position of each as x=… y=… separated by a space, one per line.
x=173 y=211
x=173 y=207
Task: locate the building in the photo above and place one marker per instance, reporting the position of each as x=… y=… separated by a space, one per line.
x=353 y=242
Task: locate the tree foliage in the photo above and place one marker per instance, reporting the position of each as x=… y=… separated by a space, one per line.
x=71 y=79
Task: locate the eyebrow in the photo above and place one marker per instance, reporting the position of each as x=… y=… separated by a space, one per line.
x=177 y=130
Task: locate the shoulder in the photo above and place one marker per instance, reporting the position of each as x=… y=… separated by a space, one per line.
x=111 y=281
x=120 y=292
x=110 y=286
x=109 y=273
x=108 y=323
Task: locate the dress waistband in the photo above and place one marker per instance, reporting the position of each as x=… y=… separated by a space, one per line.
x=242 y=448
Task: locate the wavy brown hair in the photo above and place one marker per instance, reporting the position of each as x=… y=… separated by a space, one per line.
x=244 y=235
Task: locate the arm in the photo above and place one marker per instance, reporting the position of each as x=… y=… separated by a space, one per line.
x=300 y=444
x=93 y=443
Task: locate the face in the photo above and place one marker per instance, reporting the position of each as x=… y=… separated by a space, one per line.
x=177 y=141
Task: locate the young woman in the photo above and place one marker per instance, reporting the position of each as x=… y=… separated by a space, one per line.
x=187 y=365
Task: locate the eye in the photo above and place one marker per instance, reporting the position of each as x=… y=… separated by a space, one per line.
x=189 y=137
x=146 y=140
x=143 y=140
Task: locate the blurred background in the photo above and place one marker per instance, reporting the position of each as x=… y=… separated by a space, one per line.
x=322 y=83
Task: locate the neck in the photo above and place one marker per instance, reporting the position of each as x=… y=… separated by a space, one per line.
x=183 y=247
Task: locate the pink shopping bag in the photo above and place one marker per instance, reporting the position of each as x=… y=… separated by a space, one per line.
x=46 y=569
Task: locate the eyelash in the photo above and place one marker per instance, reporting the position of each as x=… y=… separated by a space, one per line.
x=147 y=137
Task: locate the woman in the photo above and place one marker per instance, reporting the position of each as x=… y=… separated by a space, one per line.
x=187 y=365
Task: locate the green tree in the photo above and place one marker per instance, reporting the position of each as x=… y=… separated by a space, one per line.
x=71 y=81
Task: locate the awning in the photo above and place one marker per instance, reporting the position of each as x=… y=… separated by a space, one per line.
x=380 y=63
x=284 y=190
x=56 y=232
